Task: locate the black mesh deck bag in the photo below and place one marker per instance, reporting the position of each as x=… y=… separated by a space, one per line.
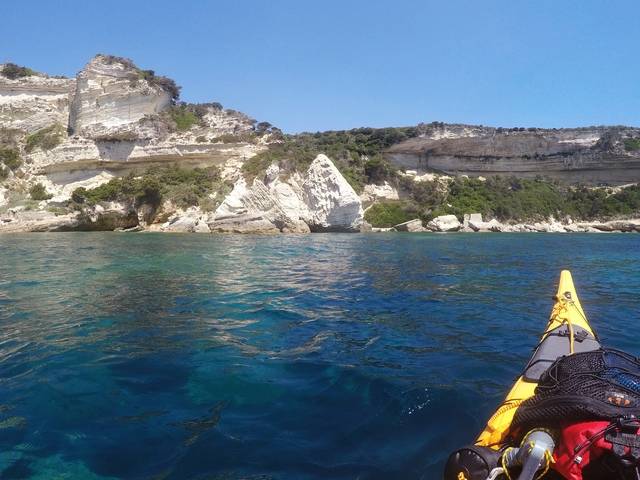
x=599 y=385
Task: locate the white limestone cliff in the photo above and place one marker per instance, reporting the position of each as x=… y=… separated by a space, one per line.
x=444 y=223
x=332 y=202
x=322 y=200
x=114 y=119
x=260 y=209
x=412 y=226
x=119 y=122
x=373 y=193
x=110 y=98
x=31 y=103
x=191 y=220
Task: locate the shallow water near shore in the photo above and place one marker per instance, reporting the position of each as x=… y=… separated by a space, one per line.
x=287 y=357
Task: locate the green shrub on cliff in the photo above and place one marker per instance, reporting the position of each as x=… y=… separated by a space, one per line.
x=361 y=141
x=257 y=165
x=426 y=194
x=604 y=203
x=505 y=198
x=130 y=188
x=245 y=137
x=38 y=192
x=13 y=71
x=185 y=187
x=183 y=118
x=513 y=199
x=9 y=160
x=165 y=83
x=45 y=139
x=378 y=169
x=9 y=137
x=390 y=213
x=10 y=157
x=632 y=144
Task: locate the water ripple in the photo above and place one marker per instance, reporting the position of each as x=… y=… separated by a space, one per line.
x=288 y=357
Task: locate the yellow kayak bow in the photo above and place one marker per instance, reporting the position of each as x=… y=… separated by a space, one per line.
x=568 y=331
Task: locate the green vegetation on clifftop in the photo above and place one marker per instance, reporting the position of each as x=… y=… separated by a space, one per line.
x=165 y=83
x=390 y=213
x=9 y=160
x=183 y=117
x=38 y=192
x=13 y=71
x=356 y=153
x=632 y=144
x=508 y=199
x=184 y=187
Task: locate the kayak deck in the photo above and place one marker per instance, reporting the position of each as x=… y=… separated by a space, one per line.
x=567 y=331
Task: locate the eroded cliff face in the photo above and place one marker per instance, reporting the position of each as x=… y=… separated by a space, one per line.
x=319 y=200
x=114 y=118
x=111 y=119
x=111 y=97
x=584 y=155
x=333 y=203
x=30 y=103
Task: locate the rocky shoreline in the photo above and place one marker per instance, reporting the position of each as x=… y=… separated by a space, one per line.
x=320 y=200
x=118 y=218
x=473 y=223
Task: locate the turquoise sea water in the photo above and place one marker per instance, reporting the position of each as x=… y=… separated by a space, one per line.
x=332 y=356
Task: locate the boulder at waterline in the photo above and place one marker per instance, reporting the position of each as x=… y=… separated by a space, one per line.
x=444 y=223
x=414 y=225
x=333 y=204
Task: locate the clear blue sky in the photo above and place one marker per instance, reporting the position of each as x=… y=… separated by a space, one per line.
x=325 y=64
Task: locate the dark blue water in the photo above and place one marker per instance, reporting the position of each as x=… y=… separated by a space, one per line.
x=165 y=356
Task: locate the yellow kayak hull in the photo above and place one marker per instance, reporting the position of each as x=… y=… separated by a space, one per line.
x=566 y=311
